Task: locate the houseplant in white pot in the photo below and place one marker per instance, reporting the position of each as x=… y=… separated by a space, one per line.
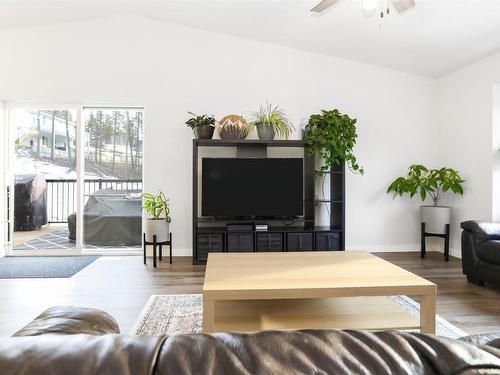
x=430 y=183
x=158 y=210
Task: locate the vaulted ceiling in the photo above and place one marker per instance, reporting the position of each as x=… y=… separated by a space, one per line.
x=433 y=39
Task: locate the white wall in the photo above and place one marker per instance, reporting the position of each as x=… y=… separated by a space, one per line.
x=171 y=70
x=468 y=101
x=3 y=198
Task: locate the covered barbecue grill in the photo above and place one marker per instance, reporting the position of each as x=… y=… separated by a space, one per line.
x=30 y=202
x=111 y=218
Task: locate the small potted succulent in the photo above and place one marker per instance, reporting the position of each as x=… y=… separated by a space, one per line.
x=269 y=121
x=433 y=183
x=203 y=126
x=158 y=210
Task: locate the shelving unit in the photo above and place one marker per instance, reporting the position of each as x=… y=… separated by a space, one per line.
x=210 y=234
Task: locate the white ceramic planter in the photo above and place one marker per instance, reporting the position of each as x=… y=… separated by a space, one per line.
x=158 y=227
x=435 y=218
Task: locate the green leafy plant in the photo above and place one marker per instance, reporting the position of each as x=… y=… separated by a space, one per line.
x=157 y=206
x=274 y=116
x=427 y=182
x=333 y=135
x=199 y=121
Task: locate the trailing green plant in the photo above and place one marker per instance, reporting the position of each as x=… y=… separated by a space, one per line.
x=274 y=116
x=427 y=182
x=333 y=135
x=199 y=121
x=157 y=206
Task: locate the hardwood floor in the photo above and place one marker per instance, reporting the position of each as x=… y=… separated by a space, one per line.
x=472 y=308
x=118 y=285
x=122 y=285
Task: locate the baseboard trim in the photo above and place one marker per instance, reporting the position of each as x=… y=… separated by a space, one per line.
x=372 y=249
x=457 y=253
x=395 y=248
x=175 y=252
x=182 y=252
x=379 y=248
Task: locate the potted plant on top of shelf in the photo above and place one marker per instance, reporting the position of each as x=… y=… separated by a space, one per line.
x=203 y=126
x=430 y=182
x=333 y=135
x=269 y=121
x=157 y=207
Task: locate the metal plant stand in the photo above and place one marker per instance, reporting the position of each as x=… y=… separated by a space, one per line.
x=446 y=237
x=160 y=244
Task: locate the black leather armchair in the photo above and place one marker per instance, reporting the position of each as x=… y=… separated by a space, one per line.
x=481 y=252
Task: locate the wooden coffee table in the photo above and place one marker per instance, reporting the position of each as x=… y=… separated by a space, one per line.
x=247 y=292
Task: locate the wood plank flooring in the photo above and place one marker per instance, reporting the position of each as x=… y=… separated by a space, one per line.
x=122 y=285
x=472 y=308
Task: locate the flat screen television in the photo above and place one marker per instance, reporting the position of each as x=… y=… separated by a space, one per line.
x=252 y=187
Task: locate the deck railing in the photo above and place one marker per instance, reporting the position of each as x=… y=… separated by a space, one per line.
x=61 y=194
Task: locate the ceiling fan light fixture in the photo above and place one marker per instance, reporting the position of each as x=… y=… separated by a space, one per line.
x=371 y=6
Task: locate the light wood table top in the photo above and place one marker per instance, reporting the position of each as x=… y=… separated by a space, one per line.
x=319 y=274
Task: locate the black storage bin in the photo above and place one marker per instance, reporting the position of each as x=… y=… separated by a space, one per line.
x=240 y=242
x=30 y=202
x=299 y=242
x=269 y=242
x=328 y=241
x=208 y=243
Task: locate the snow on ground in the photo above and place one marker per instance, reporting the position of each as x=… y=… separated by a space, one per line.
x=24 y=163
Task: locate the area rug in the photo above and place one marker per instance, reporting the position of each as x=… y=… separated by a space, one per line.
x=170 y=314
x=443 y=327
x=183 y=314
x=22 y=267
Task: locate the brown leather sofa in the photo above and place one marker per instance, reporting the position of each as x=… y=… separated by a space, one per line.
x=70 y=340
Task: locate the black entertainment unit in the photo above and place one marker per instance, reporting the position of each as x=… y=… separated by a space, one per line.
x=229 y=226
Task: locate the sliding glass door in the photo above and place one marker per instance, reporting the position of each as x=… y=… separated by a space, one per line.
x=76 y=180
x=113 y=146
x=43 y=178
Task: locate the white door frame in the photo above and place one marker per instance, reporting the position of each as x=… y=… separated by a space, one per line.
x=80 y=165
x=4 y=219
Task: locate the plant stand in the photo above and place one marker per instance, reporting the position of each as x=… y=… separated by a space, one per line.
x=446 y=237
x=160 y=244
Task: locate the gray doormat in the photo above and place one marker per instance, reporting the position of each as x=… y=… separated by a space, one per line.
x=183 y=313
x=24 y=267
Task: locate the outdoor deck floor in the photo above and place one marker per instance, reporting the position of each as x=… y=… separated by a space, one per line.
x=22 y=237
x=54 y=237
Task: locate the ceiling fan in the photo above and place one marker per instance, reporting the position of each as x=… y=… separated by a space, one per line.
x=400 y=5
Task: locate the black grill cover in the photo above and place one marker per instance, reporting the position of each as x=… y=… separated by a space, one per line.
x=30 y=202
x=111 y=218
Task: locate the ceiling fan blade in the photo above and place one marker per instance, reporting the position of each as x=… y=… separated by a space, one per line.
x=323 y=5
x=403 y=5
